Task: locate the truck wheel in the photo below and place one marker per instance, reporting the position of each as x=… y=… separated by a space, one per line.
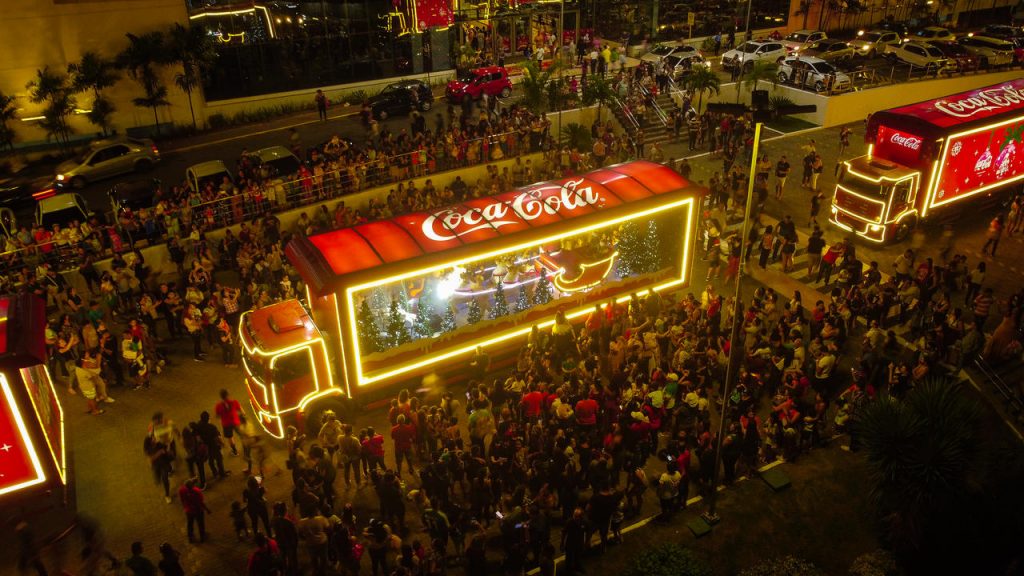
x=905 y=228
x=782 y=77
x=314 y=417
x=506 y=92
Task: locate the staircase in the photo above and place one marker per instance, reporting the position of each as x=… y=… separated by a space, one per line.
x=657 y=124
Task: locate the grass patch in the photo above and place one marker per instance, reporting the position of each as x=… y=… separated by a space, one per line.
x=786 y=124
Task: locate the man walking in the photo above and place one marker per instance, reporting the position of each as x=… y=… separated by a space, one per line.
x=993 y=234
x=781 y=173
x=321 y=104
x=228 y=410
x=195 y=509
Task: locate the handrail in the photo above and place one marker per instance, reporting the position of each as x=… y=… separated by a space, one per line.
x=654 y=104
x=997 y=382
x=627 y=113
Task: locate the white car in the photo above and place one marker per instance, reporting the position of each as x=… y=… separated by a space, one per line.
x=923 y=56
x=929 y=33
x=62 y=209
x=660 y=51
x=797 y=41
x=875 y=42
x=992 y=51
x=810 y=72
x=744 y=55
x=210 y=172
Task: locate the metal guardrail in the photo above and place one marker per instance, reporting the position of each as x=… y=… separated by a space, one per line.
x=627 y=113
x=653 y=103
x=1010 y=395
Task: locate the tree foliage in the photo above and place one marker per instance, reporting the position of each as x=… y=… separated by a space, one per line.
x=192 y=49
x=783 y=566
x=523 y=300
x=53 y=90
x=474 y=313
x=542 y=292
x=367 y=329
x=8 y=112
x=500 y=306
x=395 y=331
x=448 y=323
x=139 y=59
x=703 y=80
x=94 y=73
x=668 y=560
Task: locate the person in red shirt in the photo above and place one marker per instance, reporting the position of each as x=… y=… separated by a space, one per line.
x=264 y=559
x=586 y=413
x=373 y=446
x=531 y=403
x=195 y=507
x=228 y=410
x=403 y=434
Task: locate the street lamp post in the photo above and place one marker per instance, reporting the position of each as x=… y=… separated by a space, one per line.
x=746 y=32
x=711 y=515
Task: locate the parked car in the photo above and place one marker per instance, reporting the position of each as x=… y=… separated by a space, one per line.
x=1005 y=31
x=837 y=51
x=744 y=55
x=19 y=196
x=683 y=65
x=812 y=72
x=875 y=42
x=992 y=51
x=62 y=209
x=928 y=34
x=965 y=60
x=106 y=158
x=279 y=160
x=802 y=39
x=490 y=80
x=209 y=172
x=397 y=98
x=660 y=51
x=922 y=55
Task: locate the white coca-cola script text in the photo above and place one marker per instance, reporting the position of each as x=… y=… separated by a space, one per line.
x=1006 y=96
x=906 y=141
x=529 y=205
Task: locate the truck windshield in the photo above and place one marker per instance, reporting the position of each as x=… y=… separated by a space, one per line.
x=291 y=367
x=863 y=187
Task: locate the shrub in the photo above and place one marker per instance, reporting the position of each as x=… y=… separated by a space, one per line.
x=668 y=560
x=354 y=98
x=217 y=121
x=578 y=136
x=783 y=566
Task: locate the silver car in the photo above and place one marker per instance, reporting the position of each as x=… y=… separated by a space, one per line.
x=107 y=158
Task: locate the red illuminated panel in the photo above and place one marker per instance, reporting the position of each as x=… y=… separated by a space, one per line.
x=499 y=213
x=19 y=464
x=431 y=13
x=899 y=146
x=390 y=241
x=48 y=411
x=345 y=251
x=626 y=188
x=429 y=231
x=655 y=177
x=979 y=160
x=967 y=106
x=5 y=304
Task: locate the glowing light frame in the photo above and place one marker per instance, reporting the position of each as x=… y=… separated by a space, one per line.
x=19 y=422
x=363 y=380
x=933 y=189
x=266 y=16
x=607 y=262
x=61 y=461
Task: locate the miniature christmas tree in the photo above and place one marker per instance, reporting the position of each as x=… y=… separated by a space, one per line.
x=396 y=333
x=523 y=302
x=369 y=332
x=651 y=251
x=448 y=322
x=500 y=306
x=542 y=293
x=632 y=252
x=475 y=314
x=422 y=325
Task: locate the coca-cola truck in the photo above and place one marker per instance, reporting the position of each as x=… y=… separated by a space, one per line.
x=932 y=159
x=394 y=300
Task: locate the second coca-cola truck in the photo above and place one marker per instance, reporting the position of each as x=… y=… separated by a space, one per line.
x=932 y=158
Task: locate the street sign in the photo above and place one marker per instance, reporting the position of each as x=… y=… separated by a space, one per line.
x=691 y=18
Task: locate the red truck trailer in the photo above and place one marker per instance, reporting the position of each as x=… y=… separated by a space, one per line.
x=933 y=158
x=396 y=299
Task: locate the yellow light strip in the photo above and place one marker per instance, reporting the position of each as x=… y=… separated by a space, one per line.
x=862 y=197
x=349 y=292
x=945 y=152
x=933 y=186
x=607 y=262
x=341 y=345
x=22 y=429
x=61 y=461
x=266 y=16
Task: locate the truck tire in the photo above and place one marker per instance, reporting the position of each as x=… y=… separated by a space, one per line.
x=314 y=416
x=905 y=228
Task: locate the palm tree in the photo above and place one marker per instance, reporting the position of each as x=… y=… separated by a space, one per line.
x=534 y=85
x=925 y=466
x=138 y=59
x=702 y=79
x=193 y=49
x=8 y=112
x=95 y=73
x=54 y=91
x=760 y=70
x=598 y=90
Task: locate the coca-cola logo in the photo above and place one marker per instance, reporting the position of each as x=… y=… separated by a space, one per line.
x=906 y=141
x=1002 y=97
x=530 y=205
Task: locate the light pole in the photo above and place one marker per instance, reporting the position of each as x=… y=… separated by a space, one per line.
x=711 y=516
x=746 y=32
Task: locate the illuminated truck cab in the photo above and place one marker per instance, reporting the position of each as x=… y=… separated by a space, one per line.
x=876 y=199
x=932 y=158
x=286 y=364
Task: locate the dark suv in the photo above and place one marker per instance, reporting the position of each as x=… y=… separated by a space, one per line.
x=490 y=80
x=398 y=98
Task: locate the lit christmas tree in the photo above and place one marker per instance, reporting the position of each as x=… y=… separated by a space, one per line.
x=448 y=322
x=475 y=314
x=651 y=248
x=369 y=332
x=500 y=307
x=395 y=332
x=421 y=326
x=542 y=293
x=523 y=302
x=632 y=252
